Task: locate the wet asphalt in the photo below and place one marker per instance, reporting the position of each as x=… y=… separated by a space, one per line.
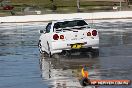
x=21 y=65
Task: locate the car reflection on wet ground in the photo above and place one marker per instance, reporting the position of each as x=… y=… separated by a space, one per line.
x=66 y=72
x=20 y=61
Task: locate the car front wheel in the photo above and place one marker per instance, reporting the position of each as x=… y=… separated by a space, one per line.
x=40 y=46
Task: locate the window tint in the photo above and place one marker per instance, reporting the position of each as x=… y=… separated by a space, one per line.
x=70 y=24
x=48 y=27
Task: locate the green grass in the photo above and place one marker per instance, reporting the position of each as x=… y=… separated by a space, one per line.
x=63 y=6
x=59 y=3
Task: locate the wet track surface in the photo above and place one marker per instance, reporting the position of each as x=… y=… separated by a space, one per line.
x=21 y=65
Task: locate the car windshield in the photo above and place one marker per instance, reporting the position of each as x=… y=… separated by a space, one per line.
x=70 y=24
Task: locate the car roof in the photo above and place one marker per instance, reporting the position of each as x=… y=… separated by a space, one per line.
x=55 y=21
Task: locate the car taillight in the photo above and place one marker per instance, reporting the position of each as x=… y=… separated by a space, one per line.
x=61 y=36
x=55 y=36
x=88 y=34
x=94 y=32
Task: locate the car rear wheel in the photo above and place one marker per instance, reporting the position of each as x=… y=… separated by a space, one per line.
x=43 y=53
x=66 y=53
x=40 y=47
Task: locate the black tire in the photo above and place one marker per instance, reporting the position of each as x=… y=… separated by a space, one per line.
x=40 y=47
x=66 y=53
x=43 y=53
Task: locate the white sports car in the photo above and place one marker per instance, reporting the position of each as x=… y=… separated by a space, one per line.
x=67 y=36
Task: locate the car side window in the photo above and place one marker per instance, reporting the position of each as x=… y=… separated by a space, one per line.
x=48 y=28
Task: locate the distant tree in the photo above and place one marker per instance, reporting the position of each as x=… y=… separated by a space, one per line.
x=52 y=0
x=130 y=1
x=53 y=6
x=127 y=2
x=12 y=12
x=1 y=0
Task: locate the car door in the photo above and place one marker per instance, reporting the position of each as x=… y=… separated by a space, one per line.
x=46 y=37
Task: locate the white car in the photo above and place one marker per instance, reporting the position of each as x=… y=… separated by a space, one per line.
x=68 y=36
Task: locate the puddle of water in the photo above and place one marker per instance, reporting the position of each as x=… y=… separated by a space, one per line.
x=19 y=57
